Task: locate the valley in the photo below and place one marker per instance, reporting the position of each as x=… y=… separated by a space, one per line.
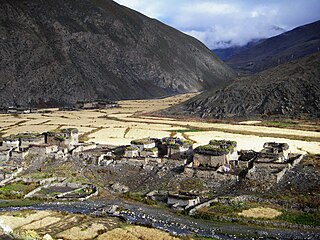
x=134 y=188
x=118 y=126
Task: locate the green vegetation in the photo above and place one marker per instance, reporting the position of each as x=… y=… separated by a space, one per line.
x=139 y=198
x=223 y=211
x=23 y=136
x=191 y=184
x=16 y=190
x=142 y=141
x=299 y=217
x=223 y=142
x=279 y=124
x=217 y=147
x=69 y=130
x=213 y=149
x=129 y=148
x=18 y=203
x=40 y=175
x=60 y=138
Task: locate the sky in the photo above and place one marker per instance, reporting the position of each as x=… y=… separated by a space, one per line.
x=225 y=23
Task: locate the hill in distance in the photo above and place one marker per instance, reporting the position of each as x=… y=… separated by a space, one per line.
x=288 y=90
x=275 y=51
x=226 y=53
x=56 y=52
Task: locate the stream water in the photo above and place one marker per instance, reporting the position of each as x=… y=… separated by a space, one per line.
x=166 y=220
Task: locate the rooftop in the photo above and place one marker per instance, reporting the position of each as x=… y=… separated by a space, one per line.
x=142 y=141
x=217 y=147
x=274 y=145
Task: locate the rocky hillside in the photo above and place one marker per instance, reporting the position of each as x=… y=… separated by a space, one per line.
x=277 y=50
x=56 y=52
x=290 y=90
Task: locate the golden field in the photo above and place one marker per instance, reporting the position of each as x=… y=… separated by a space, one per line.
x=119 y=126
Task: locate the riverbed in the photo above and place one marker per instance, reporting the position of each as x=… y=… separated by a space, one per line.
x=166 y=220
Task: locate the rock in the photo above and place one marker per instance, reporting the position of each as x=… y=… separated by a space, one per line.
x=118 y=187
x=47 y=237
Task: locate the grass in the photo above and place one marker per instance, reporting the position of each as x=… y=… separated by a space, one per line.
x=18 y=203
x=139 y=198
x=303 y=218
x=85 y=137
x=312 y=160
x=16 y=190
x=126 y=132
x=219 y=212
x=292 y=124
x=191 y=184
x=40 y=175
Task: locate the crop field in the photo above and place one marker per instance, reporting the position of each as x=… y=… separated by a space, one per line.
x=118 y=126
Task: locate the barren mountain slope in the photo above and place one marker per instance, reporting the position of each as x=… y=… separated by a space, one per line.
x=290 y=90
x=56 y=52
x=271 y=52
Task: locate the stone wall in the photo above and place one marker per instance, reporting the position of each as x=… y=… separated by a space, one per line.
x=209 y=160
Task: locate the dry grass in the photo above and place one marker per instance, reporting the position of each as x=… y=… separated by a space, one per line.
x=260 y=212
x=136 y=233
x=119 y=126
x=81 y=233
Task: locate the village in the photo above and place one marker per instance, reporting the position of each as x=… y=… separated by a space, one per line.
x=79 y=105
x=219 y=160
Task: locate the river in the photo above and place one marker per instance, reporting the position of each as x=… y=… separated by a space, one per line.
x=164 y=219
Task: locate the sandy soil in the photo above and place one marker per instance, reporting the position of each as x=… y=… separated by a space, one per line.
x=16 y=221
x=78 y=233
x=136 y=233
x=260 y=212
x=121 y=125
x=55 y=225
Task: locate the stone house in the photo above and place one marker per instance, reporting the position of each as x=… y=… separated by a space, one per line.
x=143 y=143
x=20 y=152
x=131 y=152
x=5 y=153
x=43 y=149
x=182 y=200
x=176 y=148
x=66 y=138
x=215 y=154
x=27 y=139
x=10 y=142
x=275 y=152
x=81 y=147
x=245 y=160
x=86 y=105
x=149 y=152
x=96 y=104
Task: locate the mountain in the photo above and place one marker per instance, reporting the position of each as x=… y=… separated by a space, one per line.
x=277 y=50
x=56 y=52
x=226 y=53
x=289 y=90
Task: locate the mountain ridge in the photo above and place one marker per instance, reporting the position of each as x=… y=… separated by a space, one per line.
x=289 y=90
x=55 y=53
x=274 y=51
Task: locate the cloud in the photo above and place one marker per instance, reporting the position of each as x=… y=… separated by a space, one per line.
x=226 y=23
